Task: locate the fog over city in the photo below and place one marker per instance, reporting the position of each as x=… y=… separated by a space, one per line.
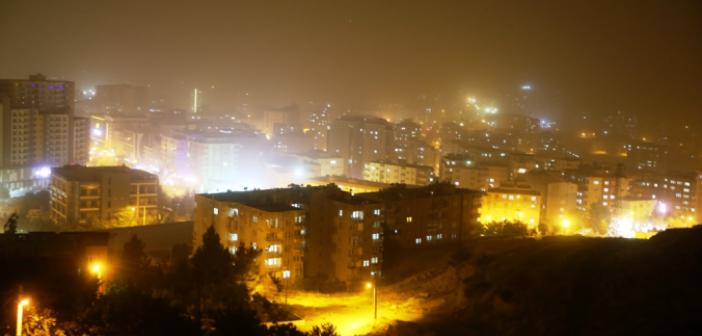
x=334 y=168
x=582 y=58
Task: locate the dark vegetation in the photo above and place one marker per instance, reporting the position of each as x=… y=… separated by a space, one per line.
x=572 y=286
x=202 y=294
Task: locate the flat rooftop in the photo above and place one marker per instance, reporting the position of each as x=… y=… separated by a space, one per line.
x=87 y=174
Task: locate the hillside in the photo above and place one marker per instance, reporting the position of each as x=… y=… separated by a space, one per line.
x=558 y=286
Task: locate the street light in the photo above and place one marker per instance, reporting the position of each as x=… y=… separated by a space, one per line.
x=97 y=267
x=374 y=286
x=20 y=310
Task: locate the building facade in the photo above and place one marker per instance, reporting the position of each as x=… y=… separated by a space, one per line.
x=428 y=215
x=393 y=173
x=515 y=204
x=103 y=197
x=38 y=128
x=360 y=139
x=341 y=235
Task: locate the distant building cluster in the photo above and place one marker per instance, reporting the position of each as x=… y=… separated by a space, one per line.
x=322 y=192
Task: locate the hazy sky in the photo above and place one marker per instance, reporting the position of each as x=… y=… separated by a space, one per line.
x=600 y=56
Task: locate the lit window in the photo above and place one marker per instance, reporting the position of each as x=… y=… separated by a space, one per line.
x=254 y=219
x=366 y=263
x=275 y=248
x=233 y=212
x=341 y=213
x=286 y=274
x=375 y=236
x=408 y=219
x=215 y=211
x=374 y=260
x=233 y=237
x=376 y=212
x=232 y=249
x=273 y=262
x=429 y=238
x=358 y=214
x=253 y=246
x=440 y=236
x=418 y=241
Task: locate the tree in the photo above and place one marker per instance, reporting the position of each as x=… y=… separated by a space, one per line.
x=125 y=310
x=212 y=262
x=135 y=264
x=41 y=323
x=244 y=259
x=326 y=329
x=179 y=275
x=11 y=224
x=505 y=229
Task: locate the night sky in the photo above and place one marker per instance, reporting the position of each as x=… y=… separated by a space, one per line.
x=643 y=57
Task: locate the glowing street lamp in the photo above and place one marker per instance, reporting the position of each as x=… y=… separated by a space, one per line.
x=20 y=311
x=97 y=268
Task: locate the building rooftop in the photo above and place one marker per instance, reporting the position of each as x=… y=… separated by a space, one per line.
x=401 y=191
x=515 y=189
x=89 y=174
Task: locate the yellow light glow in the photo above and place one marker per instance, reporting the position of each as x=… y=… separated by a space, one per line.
x=352 y=313
x=369 y=285
x=24 y=302
x=565 y=223
x=97 y=268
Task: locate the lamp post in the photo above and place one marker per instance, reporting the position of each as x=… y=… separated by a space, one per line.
x=286 y=276
x=374 y=285
x=20 y=311
x=375 y=298
x=97 y=268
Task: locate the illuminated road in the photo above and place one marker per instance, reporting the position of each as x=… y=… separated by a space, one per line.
x=352 y=313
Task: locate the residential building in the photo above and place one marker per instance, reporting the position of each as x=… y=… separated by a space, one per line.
x=511 y=203
x=424 y=216
x=277 y=230
x=393 y=173
x=101 y=197
x=38 y=124
x=336 y=236
x=360 y=139
x=38 y=130
x=464 y=172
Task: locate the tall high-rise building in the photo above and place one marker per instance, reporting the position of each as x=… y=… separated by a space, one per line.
x=360 y=139
x=38 y=123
